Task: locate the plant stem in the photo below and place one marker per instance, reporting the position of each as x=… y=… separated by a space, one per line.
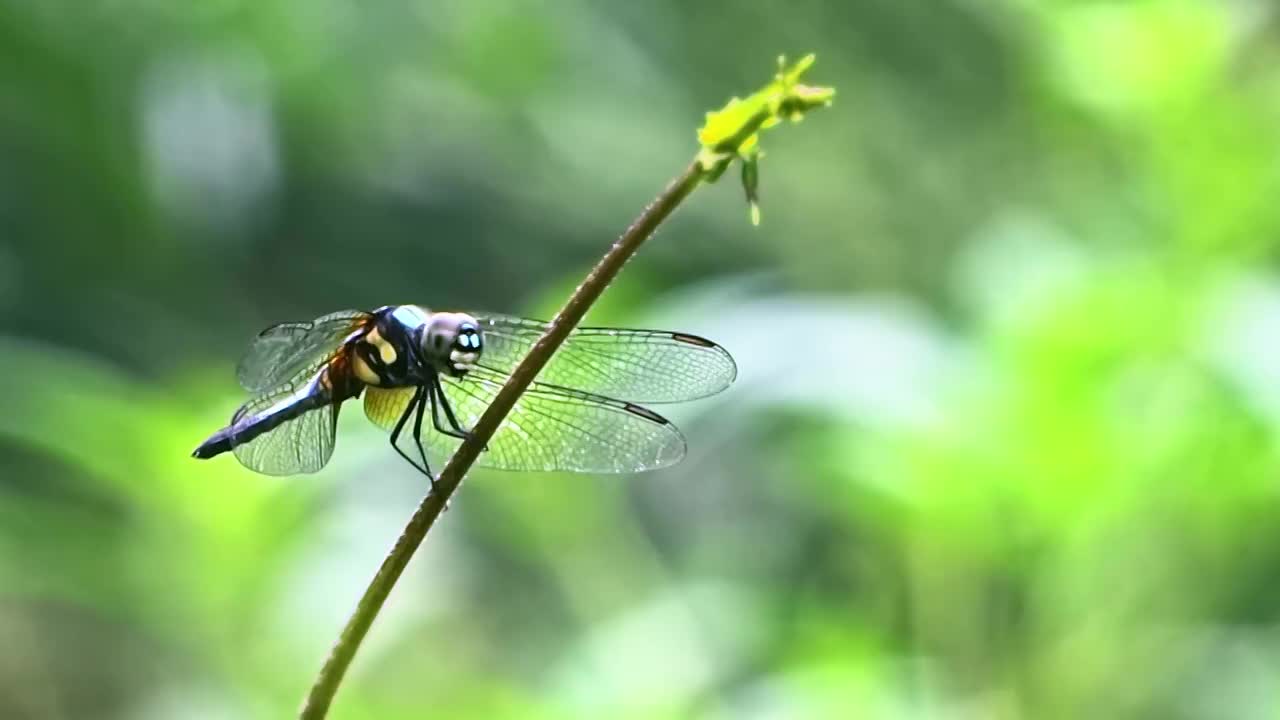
x=335 y=667
x=728 y=134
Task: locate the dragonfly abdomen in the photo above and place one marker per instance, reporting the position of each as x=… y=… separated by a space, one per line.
x=244 y=429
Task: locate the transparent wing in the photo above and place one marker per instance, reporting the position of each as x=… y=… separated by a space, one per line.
x=549 y=429
x=384 y=406
x=303 y=444
x=650 y=366
x=283 y=351
x=561 y=429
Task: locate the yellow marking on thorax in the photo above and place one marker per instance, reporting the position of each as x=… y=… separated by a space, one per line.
x=363 y=371
x=384 y=348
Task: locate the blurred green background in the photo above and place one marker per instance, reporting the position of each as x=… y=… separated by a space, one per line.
x=1005 y=441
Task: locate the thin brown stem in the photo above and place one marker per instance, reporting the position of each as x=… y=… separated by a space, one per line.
x=335 y=667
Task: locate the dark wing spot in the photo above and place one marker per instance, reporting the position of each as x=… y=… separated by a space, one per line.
x=646 y=413
x=692 y=340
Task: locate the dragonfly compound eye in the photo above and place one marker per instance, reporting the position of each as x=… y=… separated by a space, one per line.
x=466 y=348
x=452 y=342
x=468 y=340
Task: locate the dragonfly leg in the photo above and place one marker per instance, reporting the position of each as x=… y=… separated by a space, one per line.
x=413 y=405
x=424 y=396
x=458 y=431
x=438 y=400
x=429 y=395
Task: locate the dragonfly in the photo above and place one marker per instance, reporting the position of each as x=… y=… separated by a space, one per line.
x=426 y=377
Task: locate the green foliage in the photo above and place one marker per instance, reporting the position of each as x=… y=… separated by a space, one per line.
x=1005 y=443
x=734 y=130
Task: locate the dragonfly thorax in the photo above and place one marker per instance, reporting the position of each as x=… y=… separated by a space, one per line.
x=409 y=344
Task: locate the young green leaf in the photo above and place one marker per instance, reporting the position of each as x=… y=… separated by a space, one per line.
x=734 y=130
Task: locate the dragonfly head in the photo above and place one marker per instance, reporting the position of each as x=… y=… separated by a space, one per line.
x=452 y=342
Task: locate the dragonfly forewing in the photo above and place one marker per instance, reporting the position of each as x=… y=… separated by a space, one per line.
x=646 y=366
x=282 y=352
